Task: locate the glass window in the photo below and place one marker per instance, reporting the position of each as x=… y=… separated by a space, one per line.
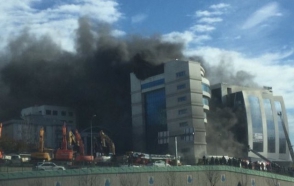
x=180 y=74
x=54 y=112
x=205 y=101
x=63 y=113
x=48 y=112
x=270 y=125
x=205 y=88
x=181 y=99
x=155 y=107
x=256 y=120
x=189 y=134
x=70 y=113
x=152 y=84
x=155 y=120
x=185 y=150
x=182 y=111
x=282 y=137
x=181 y=86
x=183 y=124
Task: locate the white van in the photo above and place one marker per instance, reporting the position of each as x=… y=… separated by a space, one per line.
x=14 y=159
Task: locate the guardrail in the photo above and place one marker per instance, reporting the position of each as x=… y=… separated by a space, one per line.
x=122 y=170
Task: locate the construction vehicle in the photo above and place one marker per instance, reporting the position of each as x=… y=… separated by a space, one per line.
x=105 y=139
x=63 y=153
x=41 y=154
x=105 y=142
x=71 y=139
x=139 y=159
x=81 y=157
x=287 y=138
x=261 y=156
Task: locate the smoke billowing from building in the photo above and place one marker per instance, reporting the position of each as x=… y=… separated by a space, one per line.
x=94 y=80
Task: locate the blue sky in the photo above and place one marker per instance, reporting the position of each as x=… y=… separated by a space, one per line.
x=255 y=36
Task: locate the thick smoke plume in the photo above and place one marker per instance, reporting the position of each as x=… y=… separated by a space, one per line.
x=226 y=128
x=95 y=79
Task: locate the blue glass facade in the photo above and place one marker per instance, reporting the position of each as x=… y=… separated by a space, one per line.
x=270 y=126
x=206 y=88
x=256 y=120
x=282 y=138
x=152 y=84
x=155 y=118
x=205 y=101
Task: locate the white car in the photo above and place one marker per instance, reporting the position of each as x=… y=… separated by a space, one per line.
x=48 y=166
x=160 y=163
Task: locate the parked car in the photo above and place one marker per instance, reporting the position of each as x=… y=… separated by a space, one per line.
x=12 y=159
x=48 y=166
x=159 y=163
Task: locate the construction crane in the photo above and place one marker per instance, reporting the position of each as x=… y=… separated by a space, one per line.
x=71 y=138
x=64 y=153
x=81 y=156
x=41 y=154
x=105 y=139
x=287 y=138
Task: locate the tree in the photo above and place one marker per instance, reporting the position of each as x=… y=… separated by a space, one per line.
x=128 y=180
x=9 y=145
x=212 y=176
x=273 y=181
x=87 y=180
x=171 y=179
x=243 y=179
x=35 y=182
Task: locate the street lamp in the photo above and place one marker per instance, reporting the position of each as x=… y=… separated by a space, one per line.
x=91 y=135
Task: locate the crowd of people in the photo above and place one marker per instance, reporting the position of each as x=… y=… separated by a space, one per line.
x=247 y=164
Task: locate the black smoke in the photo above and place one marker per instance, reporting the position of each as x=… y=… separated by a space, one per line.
x=94 y=80
x=227 y=127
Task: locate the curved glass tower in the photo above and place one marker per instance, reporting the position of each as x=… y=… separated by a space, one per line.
x=265 y=132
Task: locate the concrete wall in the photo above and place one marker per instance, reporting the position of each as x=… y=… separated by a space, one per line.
x=156 y=177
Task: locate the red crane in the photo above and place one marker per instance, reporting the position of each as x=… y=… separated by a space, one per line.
x=81 y=156
x=63 y=153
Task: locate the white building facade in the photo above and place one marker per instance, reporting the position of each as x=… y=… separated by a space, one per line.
x=51 y=118
x=175 y=101
x=265 y=114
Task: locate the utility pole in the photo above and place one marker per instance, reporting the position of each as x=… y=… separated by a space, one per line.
x=92 y=135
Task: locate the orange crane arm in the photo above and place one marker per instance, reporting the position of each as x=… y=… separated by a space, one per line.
x=104 y=138
x=41 y=140
x=0 y=130
x=64 y=142
x=80 y=143
x=71 y=138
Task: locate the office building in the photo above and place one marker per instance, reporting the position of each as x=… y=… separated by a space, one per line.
x=51 y=118
x=171 y=103
x=264 y=114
